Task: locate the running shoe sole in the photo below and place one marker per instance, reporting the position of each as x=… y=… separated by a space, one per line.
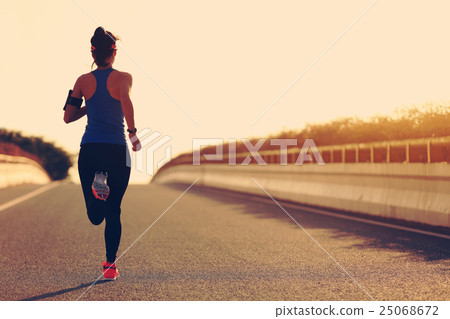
x=100 y=187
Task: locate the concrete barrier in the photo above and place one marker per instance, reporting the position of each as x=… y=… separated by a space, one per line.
x=17 y=170
x=416 y=192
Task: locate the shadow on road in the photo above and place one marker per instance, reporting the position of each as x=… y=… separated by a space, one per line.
x=377 y=237
x=63 y=291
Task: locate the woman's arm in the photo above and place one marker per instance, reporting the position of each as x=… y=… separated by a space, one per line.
x=73 y=113
x=127 y=107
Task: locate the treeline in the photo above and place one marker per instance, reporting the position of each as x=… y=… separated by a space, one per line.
x=53 y=159
x=432 y=120
x=408 y=123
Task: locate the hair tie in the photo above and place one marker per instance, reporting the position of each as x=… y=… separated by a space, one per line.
x=113 y=46
x=92 y=48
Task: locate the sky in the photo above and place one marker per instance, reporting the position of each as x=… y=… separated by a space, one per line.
x=213 y=69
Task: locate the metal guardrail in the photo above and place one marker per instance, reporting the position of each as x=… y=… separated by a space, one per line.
x=424 y=150
x=12 y=159
x=11 y=149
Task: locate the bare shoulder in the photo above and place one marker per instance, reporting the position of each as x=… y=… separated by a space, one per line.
x=124 y=77
x=84 y=77
x=80 y=86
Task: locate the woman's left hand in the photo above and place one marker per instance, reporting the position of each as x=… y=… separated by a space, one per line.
x=135 y=141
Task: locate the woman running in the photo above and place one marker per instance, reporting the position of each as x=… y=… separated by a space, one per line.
x=103 y=158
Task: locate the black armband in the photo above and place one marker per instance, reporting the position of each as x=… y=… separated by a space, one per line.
x=75 y=101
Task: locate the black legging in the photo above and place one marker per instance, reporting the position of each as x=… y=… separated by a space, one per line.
x=110 y=158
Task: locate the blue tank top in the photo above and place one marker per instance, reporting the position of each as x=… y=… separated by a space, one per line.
x=104 y=114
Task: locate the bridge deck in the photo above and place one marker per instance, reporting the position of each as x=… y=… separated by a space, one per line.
x=211 y=246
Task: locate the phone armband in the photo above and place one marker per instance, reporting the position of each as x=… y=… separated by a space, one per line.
x=75 y=101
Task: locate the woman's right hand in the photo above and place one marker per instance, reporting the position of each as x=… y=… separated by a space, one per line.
x=135 y=141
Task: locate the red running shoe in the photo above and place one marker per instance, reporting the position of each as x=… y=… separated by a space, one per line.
x=110 y=271
x=100 y=187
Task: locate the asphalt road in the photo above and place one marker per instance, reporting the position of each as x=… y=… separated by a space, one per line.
x=210 y=245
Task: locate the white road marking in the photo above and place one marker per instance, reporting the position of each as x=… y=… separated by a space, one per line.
x=25 y=197
x=367 y=221
x=326 y=212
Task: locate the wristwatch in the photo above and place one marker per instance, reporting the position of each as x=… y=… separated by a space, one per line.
x=132 y=131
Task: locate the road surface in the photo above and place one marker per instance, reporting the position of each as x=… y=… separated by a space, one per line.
x=210 y=245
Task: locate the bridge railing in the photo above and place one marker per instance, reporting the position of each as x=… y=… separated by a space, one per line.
x=403 y=180
x=17 y=170
x=423 y=150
